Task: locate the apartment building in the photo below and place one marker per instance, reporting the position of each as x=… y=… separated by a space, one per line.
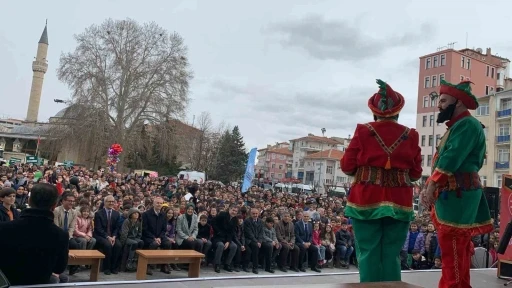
x=305 y=146
x=323 y=169
x=495 y=112
x=274 y=162
x=488 y=73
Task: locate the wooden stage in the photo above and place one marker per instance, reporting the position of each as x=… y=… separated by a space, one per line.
x=480 y=278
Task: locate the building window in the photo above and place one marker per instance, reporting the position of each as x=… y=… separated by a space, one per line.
x=498 y=181
x=329 y=169
x=434 y=81
x=487 y=70
x=431 y=120
x=430 y=140
x=433 y=102
x=427 y=63
x=462 y=61
x=483 y=179
x=492 y=72
x=468 y=63
x=429 y=160
x=273 y=165
x=280 y=167
x=271 y=175
x=461 y=78
x=425 y=101
x=427 y=82
x=505 y=104
x=443 y=59
x=423 y=140
x=486 y=130
x=498 y=75
x=503 y=155
x=438 y=138
x=486 y=89
x=435 y=61
x=483 y=109
x=422 y=160
x=441 y=77
x=503 y=129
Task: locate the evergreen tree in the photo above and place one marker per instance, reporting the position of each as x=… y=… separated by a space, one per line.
x=223 y=167
x=239 y=154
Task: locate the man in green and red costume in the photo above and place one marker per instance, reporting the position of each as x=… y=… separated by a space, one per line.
x=384 y=157
x=459 y=210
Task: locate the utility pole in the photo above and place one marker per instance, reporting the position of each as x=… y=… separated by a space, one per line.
x=322 y=160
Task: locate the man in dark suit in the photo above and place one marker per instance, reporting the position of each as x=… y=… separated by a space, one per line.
x=105 y=231
x=224 y=225
x=253 y=232
x=33 y=247
x=303 y=239
x=154 y=226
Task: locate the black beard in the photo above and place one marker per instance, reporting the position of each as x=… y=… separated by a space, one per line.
x=446 y=114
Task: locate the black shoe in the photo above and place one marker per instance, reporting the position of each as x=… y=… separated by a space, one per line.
x=73 y=270
x=283 y=269
x=255 y=271
x=165 y=269
x=149 y=272
x=236 y=268
x=294 y=269
x=316 y=269
x=302 y=270
x=245 y=269
x=115 y=271
x=270 y=270
x=107 y=272
x=227 y=268
x=216 y=268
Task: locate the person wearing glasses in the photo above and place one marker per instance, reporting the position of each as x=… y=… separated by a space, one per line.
x=105 y=231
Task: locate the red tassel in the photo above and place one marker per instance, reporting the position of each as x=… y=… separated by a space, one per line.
x=388 y=164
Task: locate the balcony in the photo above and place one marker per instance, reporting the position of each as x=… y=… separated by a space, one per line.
x=310 y=148
x=501 y=165
x=502 y=139
x=504 y=113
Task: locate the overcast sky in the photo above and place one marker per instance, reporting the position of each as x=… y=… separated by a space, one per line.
x=277 y=69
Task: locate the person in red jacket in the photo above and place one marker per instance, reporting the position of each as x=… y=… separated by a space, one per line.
x=384 y=158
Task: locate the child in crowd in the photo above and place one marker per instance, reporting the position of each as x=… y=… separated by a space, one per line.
x=204 y=235
x=83 y=229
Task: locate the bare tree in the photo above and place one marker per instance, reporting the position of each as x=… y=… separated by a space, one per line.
x=132 y=76
x=204 y=124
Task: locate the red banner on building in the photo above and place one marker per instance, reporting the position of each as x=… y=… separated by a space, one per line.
x=506 y=212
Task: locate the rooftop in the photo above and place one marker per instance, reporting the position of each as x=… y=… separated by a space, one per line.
x=44 y=36
x=320 y=139
x=283 y=151
x=327 y=154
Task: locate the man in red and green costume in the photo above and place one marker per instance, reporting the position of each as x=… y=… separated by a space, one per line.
x=384 y=157
x=459 y=209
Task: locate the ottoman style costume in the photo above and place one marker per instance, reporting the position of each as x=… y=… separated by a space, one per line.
x=460 y=210
x=384 y=157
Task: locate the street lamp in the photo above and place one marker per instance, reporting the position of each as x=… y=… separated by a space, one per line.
x=433 y=97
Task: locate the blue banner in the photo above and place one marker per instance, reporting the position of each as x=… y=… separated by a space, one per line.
x=249 y=171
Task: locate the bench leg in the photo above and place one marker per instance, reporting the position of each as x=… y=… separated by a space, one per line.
x=194 y=267
x=95 y=270
x=142 y=268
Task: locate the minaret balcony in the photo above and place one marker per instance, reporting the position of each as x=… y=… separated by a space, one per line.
x=39 y=66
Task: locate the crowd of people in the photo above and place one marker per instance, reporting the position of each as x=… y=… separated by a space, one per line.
x=259 y=230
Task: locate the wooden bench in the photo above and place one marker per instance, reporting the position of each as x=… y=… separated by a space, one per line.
x=191 y=257
x=379 y=285
x=87 y=257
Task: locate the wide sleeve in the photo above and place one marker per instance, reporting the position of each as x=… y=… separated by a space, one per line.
x=416 y=170
x=349 y=160
x=179 y=227
x=457 y=147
